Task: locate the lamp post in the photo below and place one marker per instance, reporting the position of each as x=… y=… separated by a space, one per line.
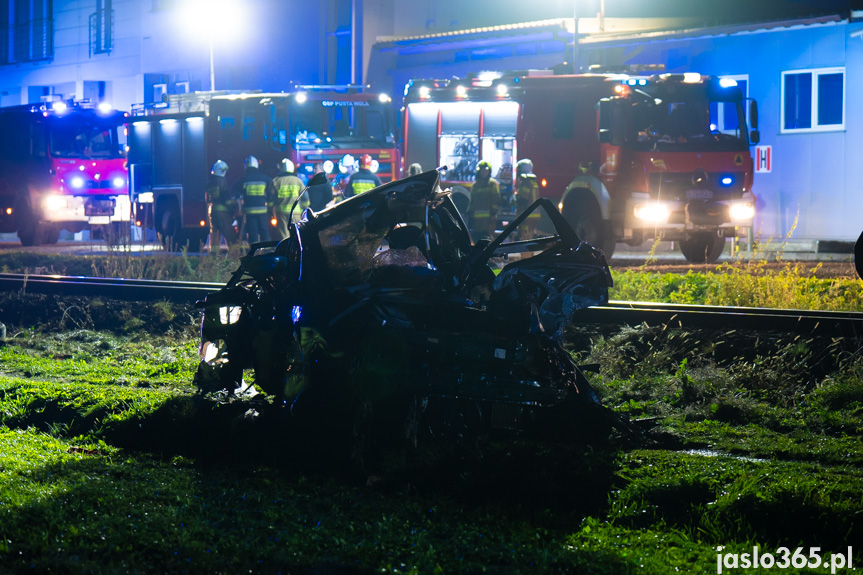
x=211 y=19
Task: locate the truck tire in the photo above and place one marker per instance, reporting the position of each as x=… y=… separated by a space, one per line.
x=168 y=224
x=702 y=248
x=50 y=235
x=586 y=219
x=28 y=228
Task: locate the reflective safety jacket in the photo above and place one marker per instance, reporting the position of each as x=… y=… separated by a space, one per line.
x=287 y=187
x=361 y=182
x=255 y=188
x=484 y=199
x=217 y=194
x=526 y=193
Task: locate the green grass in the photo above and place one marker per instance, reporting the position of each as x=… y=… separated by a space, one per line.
x=110 y=464
x=752 y=284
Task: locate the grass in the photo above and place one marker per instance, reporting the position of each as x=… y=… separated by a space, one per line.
x=752 y=284
x=109 y=463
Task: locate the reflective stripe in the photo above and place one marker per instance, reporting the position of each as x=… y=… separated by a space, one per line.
x=255 y=210
x=362 y=187
x=482 y=214
x=289 y=191
x=255 y=189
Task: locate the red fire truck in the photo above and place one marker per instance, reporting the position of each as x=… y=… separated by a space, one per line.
x=628 y=158
x=173 y=145
x=62 y=166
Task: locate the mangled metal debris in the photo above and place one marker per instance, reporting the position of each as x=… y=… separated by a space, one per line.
x=382 y=302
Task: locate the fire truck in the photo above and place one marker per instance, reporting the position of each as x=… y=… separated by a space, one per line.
x=62 y=166
x=627 y=157
x=173 y=145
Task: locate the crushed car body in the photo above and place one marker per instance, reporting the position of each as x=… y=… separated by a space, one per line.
x=383 y=300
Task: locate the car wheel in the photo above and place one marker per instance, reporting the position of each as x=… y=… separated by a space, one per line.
x=703 y=247
x=168 y=225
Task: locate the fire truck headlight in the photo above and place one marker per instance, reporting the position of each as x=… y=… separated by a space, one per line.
x=59 y=107
x=118 y=182
x=104 y=108
x=328 y=166
x=383 y=98
x=301 y=97
x=375 y=166
x=77 y=182
x=652 y=213
x=741 y=212
x=54 y=203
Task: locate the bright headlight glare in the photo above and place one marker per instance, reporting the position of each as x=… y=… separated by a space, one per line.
x=118 y=182
x=77 y=182
x=652 y=213
x=230 y=314
x=741 y=212
x=53 y=203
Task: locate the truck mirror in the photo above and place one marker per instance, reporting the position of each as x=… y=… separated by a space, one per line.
x=754 y=136
x=753 y=115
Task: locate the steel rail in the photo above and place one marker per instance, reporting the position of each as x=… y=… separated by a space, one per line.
x=111 y=288
x=821 y=323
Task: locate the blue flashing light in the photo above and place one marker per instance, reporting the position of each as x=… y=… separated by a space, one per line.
x=296 y=313
x=726 y=180
x=516 y=80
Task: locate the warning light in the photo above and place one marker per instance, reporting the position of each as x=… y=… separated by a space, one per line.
x=202 y=223
x=543 y=182
x=138 y=223
x=274 y=222
x=8 y=211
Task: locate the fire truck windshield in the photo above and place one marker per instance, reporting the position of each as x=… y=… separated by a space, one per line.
x=81 y=137
x=689 y=116
x=341 y=124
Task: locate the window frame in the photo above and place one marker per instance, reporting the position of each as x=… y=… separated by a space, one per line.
x=720 y=110
x=815 y=74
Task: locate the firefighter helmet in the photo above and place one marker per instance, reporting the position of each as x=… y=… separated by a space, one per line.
x=483 y=165
x=220 y=168
x=415 y=169
x=365 y=162
x=523 y=168
x=346 y=163
x=286 y=166
x=251 y=162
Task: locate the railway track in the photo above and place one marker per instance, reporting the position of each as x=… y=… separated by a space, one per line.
x=820 y=323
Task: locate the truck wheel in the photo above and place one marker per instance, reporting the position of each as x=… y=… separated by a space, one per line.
x=703 y=247
x=28 y=227
x=586 y=219
x=50 y=235
x=168 y=225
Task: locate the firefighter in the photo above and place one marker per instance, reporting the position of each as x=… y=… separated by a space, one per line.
x=414 y=169
x=255 y=188
x=484 y=203
x=526 y=192
x=286 y=187
x=347 y=167
x=221 y=207
x=363 y=180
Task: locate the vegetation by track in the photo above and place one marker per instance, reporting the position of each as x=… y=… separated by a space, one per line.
x=110 y=463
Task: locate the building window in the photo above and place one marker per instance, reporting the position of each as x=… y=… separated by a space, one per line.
x=813 y=100
x=27 y=31
x=101 y=28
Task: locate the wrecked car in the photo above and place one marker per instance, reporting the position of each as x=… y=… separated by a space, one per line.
x=383 y=304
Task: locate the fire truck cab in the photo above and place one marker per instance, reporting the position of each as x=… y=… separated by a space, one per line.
x=173 y=145
x=627 y=158
x=62 y=166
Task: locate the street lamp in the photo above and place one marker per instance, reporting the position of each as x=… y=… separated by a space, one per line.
x=211 y=19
